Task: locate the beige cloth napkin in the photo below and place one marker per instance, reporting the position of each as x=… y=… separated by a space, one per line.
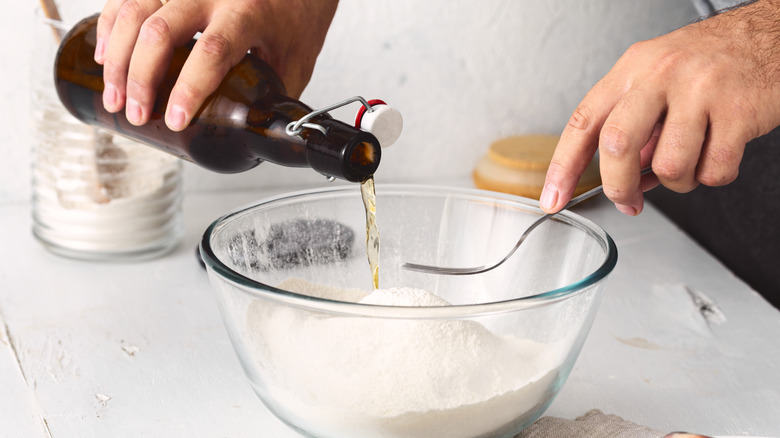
x=594 y=424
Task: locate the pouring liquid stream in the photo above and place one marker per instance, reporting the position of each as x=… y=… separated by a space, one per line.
x=368 y=192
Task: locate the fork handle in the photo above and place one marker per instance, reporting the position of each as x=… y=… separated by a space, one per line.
x=597 y=190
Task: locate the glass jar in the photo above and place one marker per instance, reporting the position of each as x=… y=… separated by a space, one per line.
x=96 y=196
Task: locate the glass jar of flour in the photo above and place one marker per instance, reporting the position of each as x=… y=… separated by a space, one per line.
x=96 y=196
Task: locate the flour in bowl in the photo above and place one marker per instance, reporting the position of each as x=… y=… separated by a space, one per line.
x=397 y=377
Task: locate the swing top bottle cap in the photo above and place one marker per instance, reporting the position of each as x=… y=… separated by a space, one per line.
x=384 y=121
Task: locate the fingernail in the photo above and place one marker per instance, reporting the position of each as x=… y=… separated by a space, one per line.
x=626 y=209
x=133 y=112
x=175 y=118
x=109 y=96
x=549 y=196
x=100 y=50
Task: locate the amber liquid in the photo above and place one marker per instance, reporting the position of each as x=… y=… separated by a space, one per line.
x=368 y=192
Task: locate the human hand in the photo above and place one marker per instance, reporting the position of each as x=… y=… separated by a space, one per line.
x=136 y=38
x=685 y=103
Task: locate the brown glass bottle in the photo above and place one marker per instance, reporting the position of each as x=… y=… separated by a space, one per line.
x=240 y=125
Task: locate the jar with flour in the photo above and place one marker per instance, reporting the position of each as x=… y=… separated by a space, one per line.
x=96 y=196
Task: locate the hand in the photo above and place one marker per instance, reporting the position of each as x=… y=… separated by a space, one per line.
x=136 y=38
x=685 y=103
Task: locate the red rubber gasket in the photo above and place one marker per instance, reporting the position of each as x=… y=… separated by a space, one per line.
x=362 y=110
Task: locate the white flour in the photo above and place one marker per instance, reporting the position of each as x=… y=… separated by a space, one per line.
x=397 y=378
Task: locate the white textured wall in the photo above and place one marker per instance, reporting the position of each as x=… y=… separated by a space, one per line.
x=462 y=73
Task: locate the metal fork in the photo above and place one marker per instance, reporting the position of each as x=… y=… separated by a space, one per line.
x=440 y=270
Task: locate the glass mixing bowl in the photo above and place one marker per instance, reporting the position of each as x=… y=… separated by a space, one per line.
x=291 y=279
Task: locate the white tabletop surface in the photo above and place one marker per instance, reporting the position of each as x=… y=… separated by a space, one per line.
x=138 y=349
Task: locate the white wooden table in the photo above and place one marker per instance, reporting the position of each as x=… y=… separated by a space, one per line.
x=91 y=349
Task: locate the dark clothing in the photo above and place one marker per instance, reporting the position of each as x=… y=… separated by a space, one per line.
x=709 y=7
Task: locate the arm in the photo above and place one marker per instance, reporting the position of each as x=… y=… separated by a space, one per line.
x=685 y=103
x=135 y=40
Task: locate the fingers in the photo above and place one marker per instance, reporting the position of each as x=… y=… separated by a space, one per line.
x=222 y=45
x=626 y=131
x=104 y=25
x=708 y=99
x=139 y=38
x=679 y=147
x=649 y=181
x=722 y=152
x=695 y=147
x=622 y=126
x=160 y=33
x=578 y=143
x=136 y=39
x=119 y=48
x=685 y=144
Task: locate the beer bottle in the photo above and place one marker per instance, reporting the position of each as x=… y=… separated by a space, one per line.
x=240 y=125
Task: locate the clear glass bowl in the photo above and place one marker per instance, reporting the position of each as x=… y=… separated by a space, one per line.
x=288 y=270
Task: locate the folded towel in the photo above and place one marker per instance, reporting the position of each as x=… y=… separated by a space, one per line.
x=594 y=424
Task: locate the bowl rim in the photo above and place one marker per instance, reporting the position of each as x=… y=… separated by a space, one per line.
x=261 y=290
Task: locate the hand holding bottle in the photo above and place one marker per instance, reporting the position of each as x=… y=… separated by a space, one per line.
x=136 y=38
x=248 y=119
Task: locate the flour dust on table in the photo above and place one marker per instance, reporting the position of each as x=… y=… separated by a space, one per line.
x=428 y=377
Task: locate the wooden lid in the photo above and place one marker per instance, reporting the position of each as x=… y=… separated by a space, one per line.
x=518 y=165
x=526 y=152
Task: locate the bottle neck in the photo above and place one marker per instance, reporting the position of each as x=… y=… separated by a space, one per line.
x=344 y=152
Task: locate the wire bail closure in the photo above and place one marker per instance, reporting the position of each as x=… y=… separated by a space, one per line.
x=295 y=128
